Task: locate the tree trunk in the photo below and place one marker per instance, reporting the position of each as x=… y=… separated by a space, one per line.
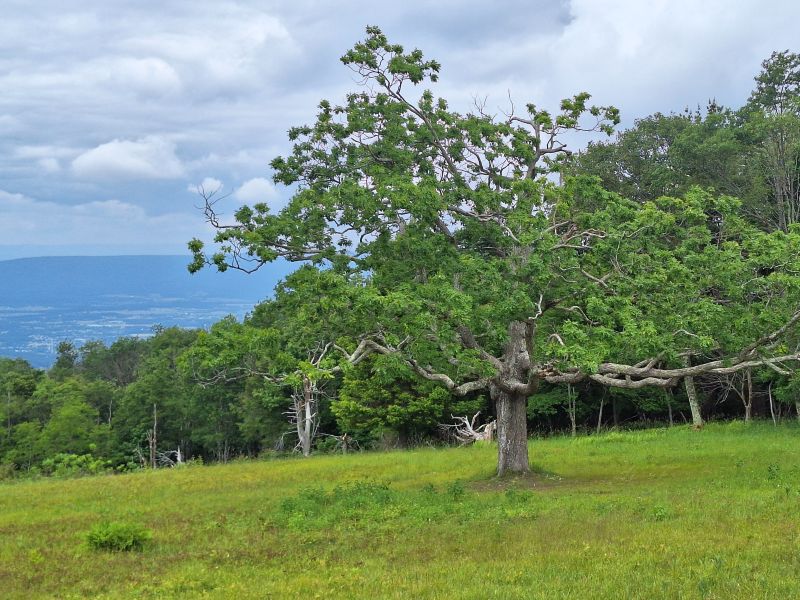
x=152 y=438
x=512 y=416
x=572 y=399
x=512 y=433
x=797 y=408
x=748 y=406
x=304 y=412
x=772 y=405
x=669 y=406
x=600 y=415
x=691 y=393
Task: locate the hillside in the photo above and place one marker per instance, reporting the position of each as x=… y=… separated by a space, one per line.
x=658 y=514
x=46 y=300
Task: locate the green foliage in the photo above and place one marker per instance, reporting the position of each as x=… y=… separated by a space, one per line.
x=73 y=465
x=118 y=536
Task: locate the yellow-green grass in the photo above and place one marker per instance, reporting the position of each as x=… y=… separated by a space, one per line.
x=667 y=513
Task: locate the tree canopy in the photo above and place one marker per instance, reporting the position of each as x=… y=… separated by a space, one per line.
x=467 y=265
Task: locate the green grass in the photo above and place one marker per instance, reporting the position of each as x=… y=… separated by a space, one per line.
x=652 y=514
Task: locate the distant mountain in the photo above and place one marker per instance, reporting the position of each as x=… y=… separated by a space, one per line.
x=80 y=298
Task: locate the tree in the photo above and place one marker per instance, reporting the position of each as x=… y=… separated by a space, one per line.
x=478 y=274
x=288 y=343
x=773 y=114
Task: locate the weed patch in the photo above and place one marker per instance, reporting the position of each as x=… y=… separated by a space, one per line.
x=118 y=537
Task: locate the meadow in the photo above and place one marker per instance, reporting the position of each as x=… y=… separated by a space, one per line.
x=661 y=513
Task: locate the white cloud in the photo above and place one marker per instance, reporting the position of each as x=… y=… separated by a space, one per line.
x=244 y=45
x=209 y=185
x=148 y=76
x=109 y=222
x=152 y=157
x=257 y=189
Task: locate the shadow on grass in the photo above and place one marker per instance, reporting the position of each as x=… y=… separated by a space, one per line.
x=538 y=478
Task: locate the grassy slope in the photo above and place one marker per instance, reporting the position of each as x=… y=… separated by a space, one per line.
x=663 y=513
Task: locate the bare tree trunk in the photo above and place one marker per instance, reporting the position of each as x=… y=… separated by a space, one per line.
x=748 y=405
x=304 y=410
x=691 y=393
x=669 y=406
x=797 y=408
x=152 y=438
x=771 y=405
x=600 y=414
x=512 y=433
x=572 y=398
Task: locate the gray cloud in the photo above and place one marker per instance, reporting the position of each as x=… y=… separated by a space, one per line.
x=122 y=102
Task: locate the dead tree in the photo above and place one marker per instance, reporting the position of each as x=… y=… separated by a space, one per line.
x=152 y=439
x=465 y=431
x=304 y=413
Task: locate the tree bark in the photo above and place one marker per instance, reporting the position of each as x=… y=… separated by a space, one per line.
x=694 y=404
x=512 y=416
x=305 y=416
x=772 y=405
x=512 y=433
x=669 y=406
x=572 y=399
x=748 y=405
x=600 y=415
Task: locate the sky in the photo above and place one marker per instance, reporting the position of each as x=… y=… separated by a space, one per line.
x=112 y=114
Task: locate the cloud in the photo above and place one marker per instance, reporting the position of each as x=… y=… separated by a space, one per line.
x=49 y=165
x=28 y=221
x=257 y=189
x=120 y=101
x=46 y=151
x=152 y=157
x=209 y=185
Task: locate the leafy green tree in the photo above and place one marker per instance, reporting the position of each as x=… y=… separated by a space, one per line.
x=25 y=450
x=66 y=360
x=160 y=383
x=18 y=381
x=382 y=394
x=117 y=364
x=773 y=118
x=480 y=275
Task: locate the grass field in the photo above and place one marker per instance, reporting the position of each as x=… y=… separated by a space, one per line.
x=667 y=513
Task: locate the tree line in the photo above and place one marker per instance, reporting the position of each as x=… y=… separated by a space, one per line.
x=445 y=273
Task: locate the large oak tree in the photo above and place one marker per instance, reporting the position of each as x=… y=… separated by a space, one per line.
x=476 y=272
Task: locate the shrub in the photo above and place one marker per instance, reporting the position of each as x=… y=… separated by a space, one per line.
x=7 y=471
x=118 y=537
x=74 y=465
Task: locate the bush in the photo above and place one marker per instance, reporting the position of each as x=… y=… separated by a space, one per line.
x=7 y=471
x=74 y=465
x=118 y=537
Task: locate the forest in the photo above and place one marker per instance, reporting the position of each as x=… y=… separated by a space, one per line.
x=459 y=264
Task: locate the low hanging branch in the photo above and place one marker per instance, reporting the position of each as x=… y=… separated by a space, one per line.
x=646 y=373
